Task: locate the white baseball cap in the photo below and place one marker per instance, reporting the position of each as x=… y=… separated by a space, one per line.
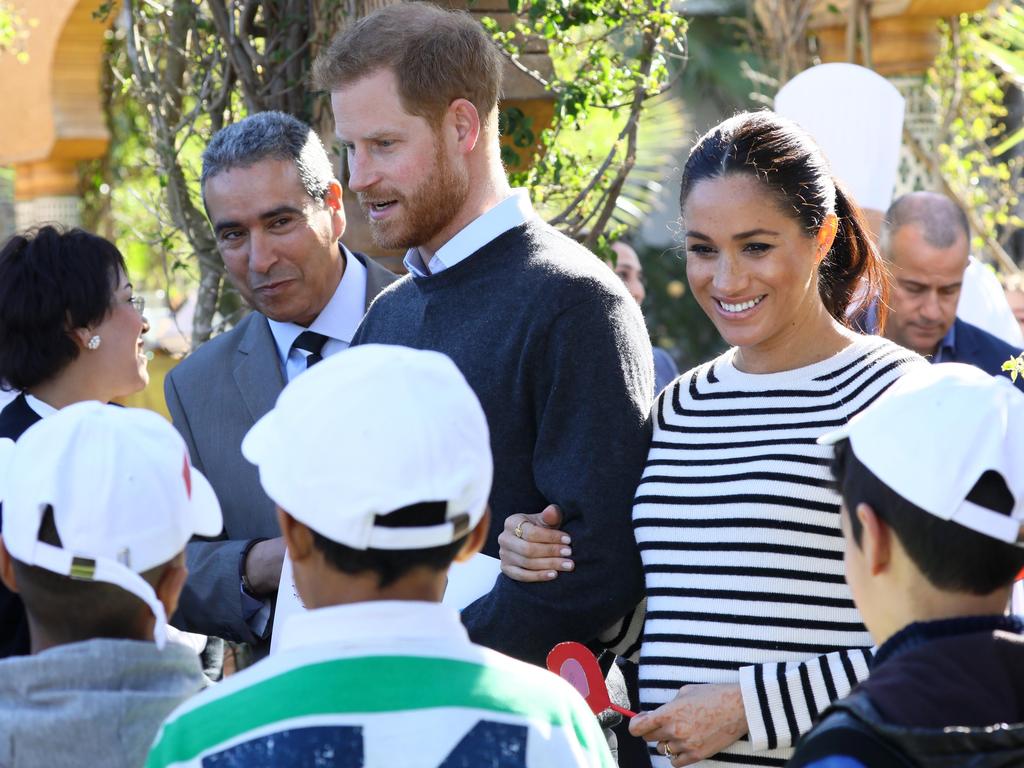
x=125 y=497
x=370 y=431
x=935 y=432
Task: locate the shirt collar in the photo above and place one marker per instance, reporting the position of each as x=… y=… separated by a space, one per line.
x=339 y=319
x=947 y=347
x=372 y=624
x=42 y=410
x=510 y=212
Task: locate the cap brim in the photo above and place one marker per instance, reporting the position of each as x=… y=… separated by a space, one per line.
x=206 y=515
x=833 y=437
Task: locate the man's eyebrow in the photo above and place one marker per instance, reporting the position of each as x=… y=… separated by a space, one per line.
x=220 y=226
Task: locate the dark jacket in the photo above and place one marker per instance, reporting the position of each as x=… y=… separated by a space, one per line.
x=14 y=420
x=981 y=349
x=942 y=694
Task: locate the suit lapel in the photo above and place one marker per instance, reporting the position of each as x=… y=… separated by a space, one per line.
x=257 y=370
x=377 y=278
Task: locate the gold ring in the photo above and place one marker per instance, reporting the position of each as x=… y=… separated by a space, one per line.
x=519 y=529
x=668 y=751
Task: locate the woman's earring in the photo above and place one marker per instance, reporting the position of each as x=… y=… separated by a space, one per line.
x=94 y=342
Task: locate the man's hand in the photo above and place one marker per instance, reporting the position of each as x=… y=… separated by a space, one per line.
x=699 y=722
x=539 y=551
x=263 y=566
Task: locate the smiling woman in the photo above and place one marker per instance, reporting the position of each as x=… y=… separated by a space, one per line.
x=70 y=330
x=750 y=630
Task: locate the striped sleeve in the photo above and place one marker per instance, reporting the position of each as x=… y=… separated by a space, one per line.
x=783 y=700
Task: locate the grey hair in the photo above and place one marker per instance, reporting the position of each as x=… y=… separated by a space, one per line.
x=940 y=219
x=270 y=136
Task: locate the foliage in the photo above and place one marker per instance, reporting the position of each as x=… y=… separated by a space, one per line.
x=14 y=29
x=184 y=68
x=981 y=57
x=610 y=59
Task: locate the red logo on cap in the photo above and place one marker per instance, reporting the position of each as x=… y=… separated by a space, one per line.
x=186 y=473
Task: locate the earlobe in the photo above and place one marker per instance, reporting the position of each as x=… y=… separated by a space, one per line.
x=334 y=201
x=827 y=235
x=7 y=568
x=476 y=538
x=466 y=122
x=297 y=537
x=876 y=539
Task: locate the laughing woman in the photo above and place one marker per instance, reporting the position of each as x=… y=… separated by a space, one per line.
x=70 y=330
x=750 y=629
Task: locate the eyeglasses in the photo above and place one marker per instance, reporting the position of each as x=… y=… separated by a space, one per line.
x=139 y=303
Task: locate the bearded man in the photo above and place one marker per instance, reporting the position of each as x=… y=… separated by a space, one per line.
x=546 y=335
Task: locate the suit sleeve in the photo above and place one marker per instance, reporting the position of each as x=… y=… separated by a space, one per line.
x=592 y=387
x=211 y=602
x=783 y=700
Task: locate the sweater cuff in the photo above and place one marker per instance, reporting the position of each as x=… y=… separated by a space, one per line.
x=752 y=706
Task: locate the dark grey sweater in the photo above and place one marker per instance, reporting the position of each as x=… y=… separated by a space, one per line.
x=558 y=354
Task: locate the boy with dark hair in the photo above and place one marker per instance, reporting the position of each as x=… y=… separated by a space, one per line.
x=379 y=462
x=99 y=502
x=932 y=481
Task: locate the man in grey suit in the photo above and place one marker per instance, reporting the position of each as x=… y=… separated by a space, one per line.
x=276 y=211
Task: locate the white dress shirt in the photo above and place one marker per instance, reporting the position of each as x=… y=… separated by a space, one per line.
x=337 y=321
x=509 y=213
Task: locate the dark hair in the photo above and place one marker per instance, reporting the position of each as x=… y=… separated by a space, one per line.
x=73 y=610
x=436 y=55
x=783 y=157
x=270 y=136
x=952 y=557
x=51 y=282
x=390 y=565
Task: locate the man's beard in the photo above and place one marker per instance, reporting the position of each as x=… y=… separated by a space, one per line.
x=424 y=211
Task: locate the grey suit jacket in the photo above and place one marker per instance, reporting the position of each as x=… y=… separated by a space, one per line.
x=214 y=396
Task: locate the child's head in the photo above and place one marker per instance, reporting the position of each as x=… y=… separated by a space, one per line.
x=933 y=496
x=379 y=461
x=98 y=504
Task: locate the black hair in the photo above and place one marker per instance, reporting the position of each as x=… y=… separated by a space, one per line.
x=783 y=157
x=951 y=557
x=390 y=565
x=51 y=282
x=74 y=610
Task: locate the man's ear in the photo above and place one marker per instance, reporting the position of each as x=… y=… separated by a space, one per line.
x=465 y=120
x=475 y=540
x=875 y=540
x=334 y=203
x=297 y=537
x=172 y=581
x=7 y=568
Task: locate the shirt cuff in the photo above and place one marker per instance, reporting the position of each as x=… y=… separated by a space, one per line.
x=256 y=613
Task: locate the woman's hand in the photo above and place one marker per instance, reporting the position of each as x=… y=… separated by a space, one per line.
x=532 y=548
x=699 y=722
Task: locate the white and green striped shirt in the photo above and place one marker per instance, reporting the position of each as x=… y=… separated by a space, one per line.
x=395 y=684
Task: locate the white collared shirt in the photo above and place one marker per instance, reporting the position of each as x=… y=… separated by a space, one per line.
x=510 y=212
x=42 y=410
x=337 y=321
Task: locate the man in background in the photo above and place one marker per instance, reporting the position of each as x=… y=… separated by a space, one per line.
x=631 y=272
x=925 y=243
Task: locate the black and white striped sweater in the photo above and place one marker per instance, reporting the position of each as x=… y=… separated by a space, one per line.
x=738 y=529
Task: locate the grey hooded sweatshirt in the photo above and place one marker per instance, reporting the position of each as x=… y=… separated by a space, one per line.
x=94 y=703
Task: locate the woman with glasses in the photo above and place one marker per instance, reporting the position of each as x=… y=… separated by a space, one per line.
x=70 y=330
